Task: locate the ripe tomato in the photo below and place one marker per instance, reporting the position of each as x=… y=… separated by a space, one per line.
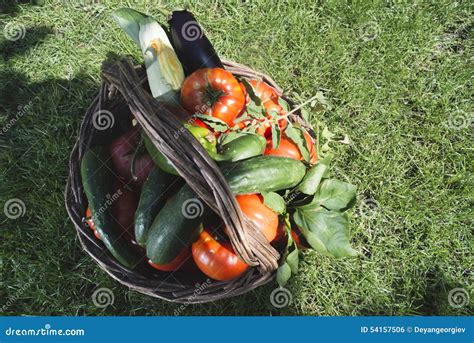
x=299 y=239
x=90 y=223
x=264 y=218
x=217 y=259
x=215 y=92
x=289 y=149
x=122 y=149
x=281 y=240
x=175 y=264
x=269 y=98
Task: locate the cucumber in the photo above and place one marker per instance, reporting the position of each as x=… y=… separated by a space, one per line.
x=97 y=180
x=175 y=227
x=241 y=148
x=263 y=174
x=152 y=199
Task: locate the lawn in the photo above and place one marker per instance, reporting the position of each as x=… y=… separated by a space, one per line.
x=399 y=82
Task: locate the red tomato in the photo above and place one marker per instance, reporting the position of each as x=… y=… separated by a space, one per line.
x=124 y=205
x=90 y=223
x=215 y=92
x=281 y=240
x=122 y=149
x=264 y=218
x=217 y=259
x=198 y=122
x=269 y=98
x=289 y=149
x=175 y=264
x=265 y=92
x=299 y=239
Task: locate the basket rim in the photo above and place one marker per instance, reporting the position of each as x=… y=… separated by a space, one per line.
x=152 y=283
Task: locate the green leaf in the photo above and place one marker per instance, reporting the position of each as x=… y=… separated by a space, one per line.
x=242 y=118
x=313 y=178
x=327 y=159
x=334 y=194
x=276 y=135
x=251 y=92
x=215 y=123
x=255 y=111
x=327 y=134
x=284 y=104
x=230 y=136
x=274 y=201
x=283 y=274
x=129 y=20
x=297 y=136
x=306 y=115
x=292 y=260
x=326 y=231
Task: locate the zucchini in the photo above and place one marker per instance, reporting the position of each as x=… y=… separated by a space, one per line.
x=175 y=227
x=97 y=180
x=241 y=148
x=263 y=174
x=152 y=200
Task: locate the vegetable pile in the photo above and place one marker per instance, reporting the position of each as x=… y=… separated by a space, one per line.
x=139 y=206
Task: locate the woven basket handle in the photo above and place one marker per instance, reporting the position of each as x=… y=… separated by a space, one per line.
x=192 y=163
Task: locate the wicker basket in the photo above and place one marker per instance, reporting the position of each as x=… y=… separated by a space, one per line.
x=123 y=93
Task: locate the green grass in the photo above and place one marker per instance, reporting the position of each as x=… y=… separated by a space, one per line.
x=396 y=76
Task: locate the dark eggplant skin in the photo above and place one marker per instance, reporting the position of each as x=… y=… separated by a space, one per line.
x=193 y=48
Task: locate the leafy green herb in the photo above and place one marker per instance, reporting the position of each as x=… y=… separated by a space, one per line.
x=276 y=135
x=274 y=201
x=284 y=104
x=292 y=259
x=215 y=123
x=326 y=231
x=297 y=136
x=255 y=111
x=313 y=178
x=334 y=195
x=251 y=92
x=283 y=274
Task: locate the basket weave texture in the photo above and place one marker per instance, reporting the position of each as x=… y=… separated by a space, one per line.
x=123 y=93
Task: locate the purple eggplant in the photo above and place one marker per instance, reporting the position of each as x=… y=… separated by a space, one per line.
x=193 y=48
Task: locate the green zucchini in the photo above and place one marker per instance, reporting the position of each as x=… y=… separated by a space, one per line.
x=97 y=180
x=175 y=227
x=241 y=148
x=263 y=174
x=152 y=200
